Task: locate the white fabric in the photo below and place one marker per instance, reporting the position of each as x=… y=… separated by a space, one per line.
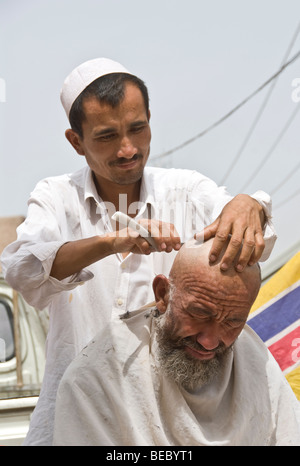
x=67 y=208
x=84 y=75
x=115 y=394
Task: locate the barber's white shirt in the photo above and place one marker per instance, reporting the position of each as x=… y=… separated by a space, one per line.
x=68 y=208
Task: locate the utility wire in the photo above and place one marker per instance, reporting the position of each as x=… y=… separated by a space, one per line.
x=261 y=109
x=287 y=199
x=279 y=186
x=227 y=115
x=271 y=150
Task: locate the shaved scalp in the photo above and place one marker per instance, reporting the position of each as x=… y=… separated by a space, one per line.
x=192 y=264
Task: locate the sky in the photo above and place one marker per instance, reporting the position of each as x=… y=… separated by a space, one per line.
x=199 y=60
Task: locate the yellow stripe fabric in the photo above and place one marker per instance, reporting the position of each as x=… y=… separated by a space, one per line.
x=283 y=279
x=283 y=282
x=293 y=379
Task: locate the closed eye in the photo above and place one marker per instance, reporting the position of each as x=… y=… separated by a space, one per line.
x=106 y=137
x=137 y=129
x=199 y=314
x=234 y=323
x=202 y=314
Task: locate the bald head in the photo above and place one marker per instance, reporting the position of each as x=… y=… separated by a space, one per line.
x=193 y=274
x=192 y=264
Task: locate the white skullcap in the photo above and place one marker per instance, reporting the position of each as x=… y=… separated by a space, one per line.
x=84 y=75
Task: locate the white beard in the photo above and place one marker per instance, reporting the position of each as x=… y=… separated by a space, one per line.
x=187 y=371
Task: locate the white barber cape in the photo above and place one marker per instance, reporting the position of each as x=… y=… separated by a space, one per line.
x=115 y=394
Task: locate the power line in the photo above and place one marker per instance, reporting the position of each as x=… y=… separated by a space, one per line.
x=271 y=150
x=285 y=180
x=227 y=115
x=287 y=199
x=261 y=110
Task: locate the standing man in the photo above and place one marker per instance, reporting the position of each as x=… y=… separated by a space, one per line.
x=68 y=238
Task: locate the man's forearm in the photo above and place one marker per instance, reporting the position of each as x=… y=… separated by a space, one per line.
x=76 y=255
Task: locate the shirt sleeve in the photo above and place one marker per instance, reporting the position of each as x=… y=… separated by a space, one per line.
x=27 y=262
x=214 y=199
x=270 y=235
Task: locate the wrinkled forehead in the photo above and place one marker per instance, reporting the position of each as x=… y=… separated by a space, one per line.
x=192 y=268
x=212 y=290
x=210 y=282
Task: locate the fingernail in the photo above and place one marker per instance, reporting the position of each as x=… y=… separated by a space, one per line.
x=224 y=266
x=163 y=245
x=239 y=268
x=212 y=258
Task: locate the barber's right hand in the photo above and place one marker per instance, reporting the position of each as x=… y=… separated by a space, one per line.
x=164 y=235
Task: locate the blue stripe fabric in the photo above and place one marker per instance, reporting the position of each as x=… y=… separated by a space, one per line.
x=278 y=316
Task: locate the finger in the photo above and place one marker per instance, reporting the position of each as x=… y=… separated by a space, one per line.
x=146 y=243
x=141 y=246
x=131 y=233
x=233 y=249
x=259 y=248
x=199 y=236
x=129 y=240
x=208 y=232
x=164 y=235
x=246 y=250
x=170 y=236
x=155 y=232
x=219 y=241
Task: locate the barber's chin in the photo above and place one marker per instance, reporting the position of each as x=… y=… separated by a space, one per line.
x=201 y=355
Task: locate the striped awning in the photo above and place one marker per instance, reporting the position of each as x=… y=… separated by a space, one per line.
x=275 y=317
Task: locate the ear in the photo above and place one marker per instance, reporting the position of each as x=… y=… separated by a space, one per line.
x=161 y=287
x=75 y=141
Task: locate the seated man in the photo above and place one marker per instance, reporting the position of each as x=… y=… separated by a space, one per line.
x=187 y=371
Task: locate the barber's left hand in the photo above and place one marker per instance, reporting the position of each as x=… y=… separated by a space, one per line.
x=243 y=218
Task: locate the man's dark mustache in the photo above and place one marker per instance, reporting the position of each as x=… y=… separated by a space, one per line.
x=124 y=160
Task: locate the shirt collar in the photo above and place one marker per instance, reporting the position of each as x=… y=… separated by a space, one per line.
x=89 y=186
x=90 y=191
x=147 y=193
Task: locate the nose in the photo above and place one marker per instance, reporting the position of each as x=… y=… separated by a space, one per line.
x=127 y=149
x=209 y=337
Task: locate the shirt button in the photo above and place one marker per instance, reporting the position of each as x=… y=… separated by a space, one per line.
x=120 y=302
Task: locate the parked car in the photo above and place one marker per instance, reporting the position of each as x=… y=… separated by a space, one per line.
x=23 y=332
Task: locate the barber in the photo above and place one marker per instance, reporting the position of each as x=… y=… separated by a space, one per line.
x=68 y=238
